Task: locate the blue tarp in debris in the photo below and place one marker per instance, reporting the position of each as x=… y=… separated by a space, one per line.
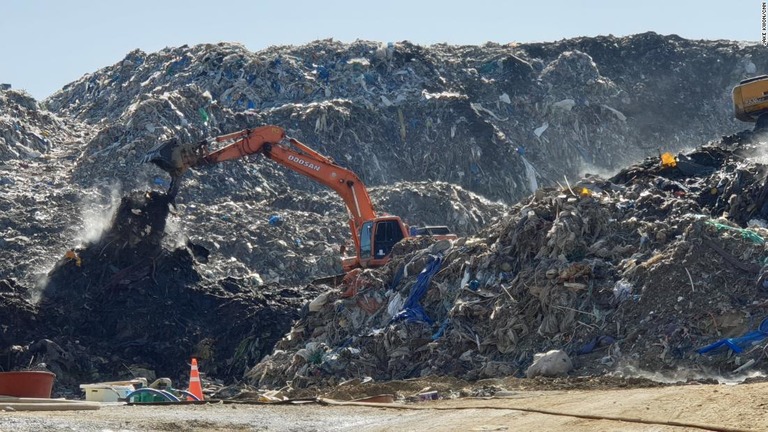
x=736 y=344
x=412 y=310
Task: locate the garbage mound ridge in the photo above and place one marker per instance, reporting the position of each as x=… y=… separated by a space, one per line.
x=639 y=270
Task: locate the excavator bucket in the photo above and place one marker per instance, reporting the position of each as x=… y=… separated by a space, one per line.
x=162 y=155
x=175 y=158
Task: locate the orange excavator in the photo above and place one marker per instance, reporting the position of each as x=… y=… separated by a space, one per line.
x=373 y=235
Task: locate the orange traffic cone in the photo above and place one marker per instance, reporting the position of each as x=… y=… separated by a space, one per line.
x=194 y=381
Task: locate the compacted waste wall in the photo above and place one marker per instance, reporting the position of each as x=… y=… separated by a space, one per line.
x=441 y=134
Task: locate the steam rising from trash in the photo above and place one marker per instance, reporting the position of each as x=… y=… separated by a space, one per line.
x=590 y=169
x=174 y=233
x=684 y=375
x=97 y=211
x=41 y=279
x=760 y=154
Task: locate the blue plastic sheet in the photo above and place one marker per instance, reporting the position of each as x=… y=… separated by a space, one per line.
x=275 y=220
x=441 y=331
x=323 y=73
x=595 y=342
x=412 y=310
x=736 y=344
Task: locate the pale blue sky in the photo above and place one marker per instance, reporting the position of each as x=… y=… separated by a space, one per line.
x=49 y=43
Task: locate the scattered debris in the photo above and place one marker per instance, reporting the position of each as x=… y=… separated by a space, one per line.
x=608 y=271
x=550 y=364
x=139 y=300
x=617 y=276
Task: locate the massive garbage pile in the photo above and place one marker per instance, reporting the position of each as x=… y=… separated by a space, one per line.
x=640 y=270
x=495 y=119
x=133 y=302
x=28 y=131
x=444 y=134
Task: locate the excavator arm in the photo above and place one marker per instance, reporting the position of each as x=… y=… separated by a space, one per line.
x=271 y=141
x=374 y=236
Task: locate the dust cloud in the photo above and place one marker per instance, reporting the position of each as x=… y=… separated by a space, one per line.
x=683 y=375
x=96 y=212
x=760 y=153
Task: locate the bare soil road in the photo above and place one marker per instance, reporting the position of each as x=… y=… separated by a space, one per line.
x=675 y=408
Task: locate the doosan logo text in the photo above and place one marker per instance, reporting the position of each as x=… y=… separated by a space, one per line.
x=309 y=165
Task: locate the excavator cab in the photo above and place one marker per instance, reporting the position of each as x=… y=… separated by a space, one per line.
x=378 y=237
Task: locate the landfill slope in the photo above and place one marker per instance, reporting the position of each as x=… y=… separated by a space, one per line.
x=134 y=301
x=28 y=131
x=39 y=206
x=498 y=120
x=442 y=135
x=633 y=273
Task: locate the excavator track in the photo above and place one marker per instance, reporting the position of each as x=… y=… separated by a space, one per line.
x=332 y=281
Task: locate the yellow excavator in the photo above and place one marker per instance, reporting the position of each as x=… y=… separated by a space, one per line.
x=750 y=101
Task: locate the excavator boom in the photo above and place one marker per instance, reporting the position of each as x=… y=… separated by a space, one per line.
x=269 y=141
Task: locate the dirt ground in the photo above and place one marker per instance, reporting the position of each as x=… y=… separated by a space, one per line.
x=674 y=408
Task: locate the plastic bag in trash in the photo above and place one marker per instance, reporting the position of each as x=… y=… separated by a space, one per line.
x=275 y=220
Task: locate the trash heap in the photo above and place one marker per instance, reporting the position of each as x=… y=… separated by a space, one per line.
x=642 y=270
x=300 y=241
x=498 y=120
x=134 y=302
x=28 y=131
x=439 y=134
